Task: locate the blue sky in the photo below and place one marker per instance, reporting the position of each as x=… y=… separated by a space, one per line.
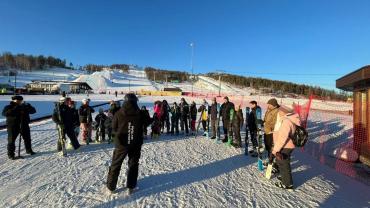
x=309 y=41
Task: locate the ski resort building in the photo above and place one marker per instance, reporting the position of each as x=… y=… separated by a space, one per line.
x=57 y=87
x=359 y=83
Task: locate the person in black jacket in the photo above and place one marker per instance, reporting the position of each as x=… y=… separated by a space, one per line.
x=64 y=117
x=75 y=117
x=175 y=116
x=204 y=116
x=17 y=115
x=238 y=121
x=214 y=113
x=146 y=112
x=128 y=125
x=100 y=127
x=165 y=118
x=252 y=126
x=225 y=114
x=184 y=111
x=193 y=116
x=85 y=114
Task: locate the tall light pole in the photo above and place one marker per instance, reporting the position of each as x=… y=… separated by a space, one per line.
x=192 y=68
x=219 y=72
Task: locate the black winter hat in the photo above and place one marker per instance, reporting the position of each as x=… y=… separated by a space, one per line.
x=17 y=97
x=130 y=97
x=273 y=102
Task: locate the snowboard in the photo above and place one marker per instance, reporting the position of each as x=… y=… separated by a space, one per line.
x=218 y=133
x=247 y=111
x=230 y=132
x=259 y=140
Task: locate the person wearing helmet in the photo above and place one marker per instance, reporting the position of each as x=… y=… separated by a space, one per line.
x=128 y=124
x=17 y=115
x=85 y=115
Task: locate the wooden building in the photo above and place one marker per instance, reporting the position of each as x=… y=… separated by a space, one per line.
x=359 y=83
x=57 y=87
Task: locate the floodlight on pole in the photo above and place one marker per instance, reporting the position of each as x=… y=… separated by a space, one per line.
x=219 y=72
x=192 y=68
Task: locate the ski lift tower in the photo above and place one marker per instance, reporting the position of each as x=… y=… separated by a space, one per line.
x=219 y=72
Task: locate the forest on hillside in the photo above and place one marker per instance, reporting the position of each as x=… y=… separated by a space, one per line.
x=160 y=75
x=280 y=87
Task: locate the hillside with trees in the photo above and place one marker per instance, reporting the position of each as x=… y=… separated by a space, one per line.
x=279 y=87
x=161 y=75
x=30 y=62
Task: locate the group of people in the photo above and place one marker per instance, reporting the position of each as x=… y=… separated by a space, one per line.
x=71 y=121
x=128 y=126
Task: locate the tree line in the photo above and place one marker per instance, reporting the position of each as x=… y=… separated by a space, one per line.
x=30 y=62
x=282 y=87
x=161 y=75
x=94 y=67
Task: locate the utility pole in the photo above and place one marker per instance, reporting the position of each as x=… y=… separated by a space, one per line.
x=192 y=68
x=15 y=82
x=219 y=72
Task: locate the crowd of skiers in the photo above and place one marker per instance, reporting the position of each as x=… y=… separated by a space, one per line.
x=127 y=127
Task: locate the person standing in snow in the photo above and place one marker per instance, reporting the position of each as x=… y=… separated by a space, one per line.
x=283 y=144
x=269 y=124
x=193 y=116
x=252 y=126
x=17 y=115
x=85 y=114
x=184 y=111
x=213 y=114
x=146 y=112
x=100 y=127
x=225 y=114
x=204 y=112
x=175 y=116
x=75 y=117
x=63 y=116
x=165 y=119
x=237 y=122
x=128 y=126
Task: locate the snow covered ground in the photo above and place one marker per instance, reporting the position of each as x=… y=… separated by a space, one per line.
x=175 y=172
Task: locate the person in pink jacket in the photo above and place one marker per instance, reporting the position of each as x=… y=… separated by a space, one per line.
x=283 y=145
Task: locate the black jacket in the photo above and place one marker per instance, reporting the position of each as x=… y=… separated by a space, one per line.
x=252 y=119
x=225 y=110
x=85 y=114
x=128 y=124
x=193 y=112
x=214 y=111
x=18 y=115
x=67 y=116
x=238 y=119
x=184 y=110
x=175 y=112
x=100 y=120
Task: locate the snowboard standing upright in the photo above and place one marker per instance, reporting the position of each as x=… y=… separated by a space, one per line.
x=247 y=110
x=218 y=133
x=230 y=132
x=260 y=134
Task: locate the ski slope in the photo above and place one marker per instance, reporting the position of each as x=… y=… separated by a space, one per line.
x=174 y=172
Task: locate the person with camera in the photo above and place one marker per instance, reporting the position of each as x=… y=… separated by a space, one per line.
x=17 y=115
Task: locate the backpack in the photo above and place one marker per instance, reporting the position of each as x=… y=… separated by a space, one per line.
x=300 y=136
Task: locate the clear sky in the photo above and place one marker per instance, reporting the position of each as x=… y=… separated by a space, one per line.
x=304 y=41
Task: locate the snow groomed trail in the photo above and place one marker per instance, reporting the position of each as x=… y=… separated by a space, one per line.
x=174 y=172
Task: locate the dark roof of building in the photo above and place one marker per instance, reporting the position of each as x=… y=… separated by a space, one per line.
x=357 y=80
